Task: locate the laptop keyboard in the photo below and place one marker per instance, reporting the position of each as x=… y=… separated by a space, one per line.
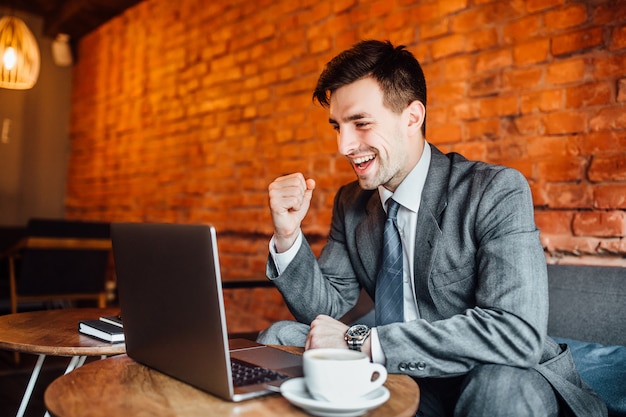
x=247 y=374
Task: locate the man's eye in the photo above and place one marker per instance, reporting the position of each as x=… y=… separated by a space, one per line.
x=362 y=125
x=335 y=127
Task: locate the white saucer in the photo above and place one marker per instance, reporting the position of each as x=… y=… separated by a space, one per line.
x=294 y=390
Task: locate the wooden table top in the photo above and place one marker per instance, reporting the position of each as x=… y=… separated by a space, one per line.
x=55 y=332
x=119 y=386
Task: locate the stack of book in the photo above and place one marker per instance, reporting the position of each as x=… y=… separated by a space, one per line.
x=107 y=328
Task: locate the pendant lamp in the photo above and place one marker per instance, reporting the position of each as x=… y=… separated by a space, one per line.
x=19 y=55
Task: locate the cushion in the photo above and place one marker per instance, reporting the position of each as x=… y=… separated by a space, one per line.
x=604 y=369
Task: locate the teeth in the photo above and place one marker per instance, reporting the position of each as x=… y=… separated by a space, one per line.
x=363 y=159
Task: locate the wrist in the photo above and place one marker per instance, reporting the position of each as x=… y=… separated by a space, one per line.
x=282 y=242
x=357 y=336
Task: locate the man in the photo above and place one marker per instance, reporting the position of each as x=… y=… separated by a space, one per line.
x=472 y=302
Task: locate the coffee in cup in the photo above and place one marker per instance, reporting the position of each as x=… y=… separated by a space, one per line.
x=341 y=375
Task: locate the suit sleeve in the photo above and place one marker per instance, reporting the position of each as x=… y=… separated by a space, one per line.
x=311 y=287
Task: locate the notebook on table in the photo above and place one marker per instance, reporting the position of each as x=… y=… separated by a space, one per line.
x=172 y=306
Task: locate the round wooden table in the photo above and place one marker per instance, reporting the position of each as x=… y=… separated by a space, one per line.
x=53 y=332
x=119 y=386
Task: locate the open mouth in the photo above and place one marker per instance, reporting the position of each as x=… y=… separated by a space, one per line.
x=362 y=163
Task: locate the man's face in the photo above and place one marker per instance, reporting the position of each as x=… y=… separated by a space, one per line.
x=378 y=143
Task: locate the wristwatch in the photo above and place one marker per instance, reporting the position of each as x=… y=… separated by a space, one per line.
x=356 y=335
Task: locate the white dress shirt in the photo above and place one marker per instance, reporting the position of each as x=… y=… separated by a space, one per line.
x=408 y=194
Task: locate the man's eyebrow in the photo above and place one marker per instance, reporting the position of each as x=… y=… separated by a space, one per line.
x=357 y=116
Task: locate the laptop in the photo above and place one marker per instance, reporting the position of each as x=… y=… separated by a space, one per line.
x=172 y=307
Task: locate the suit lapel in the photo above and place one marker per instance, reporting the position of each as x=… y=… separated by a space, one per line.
x=369 y=236
x=428 y=234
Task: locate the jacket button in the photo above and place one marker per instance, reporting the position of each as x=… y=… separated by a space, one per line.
x=402 y=367
x=421 y=366
x=412 y=366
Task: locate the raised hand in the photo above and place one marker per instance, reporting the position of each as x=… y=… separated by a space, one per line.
x=290 y=199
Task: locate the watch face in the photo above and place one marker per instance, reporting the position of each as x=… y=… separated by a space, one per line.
x=358 y=331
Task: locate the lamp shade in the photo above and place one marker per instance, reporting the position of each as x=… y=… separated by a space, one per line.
x=19 y=55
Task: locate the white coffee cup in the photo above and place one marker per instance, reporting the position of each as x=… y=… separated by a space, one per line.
x=341 y=375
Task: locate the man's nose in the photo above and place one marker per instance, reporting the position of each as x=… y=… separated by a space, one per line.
x=347 y=141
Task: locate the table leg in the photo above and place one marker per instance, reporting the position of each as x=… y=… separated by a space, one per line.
x=75 y=362
x=31 y=385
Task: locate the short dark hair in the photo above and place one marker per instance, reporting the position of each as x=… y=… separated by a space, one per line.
x=396 y=70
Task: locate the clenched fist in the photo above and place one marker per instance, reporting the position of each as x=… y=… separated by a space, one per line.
x=290 y=199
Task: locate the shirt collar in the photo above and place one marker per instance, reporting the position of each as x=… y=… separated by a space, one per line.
x=409 y=192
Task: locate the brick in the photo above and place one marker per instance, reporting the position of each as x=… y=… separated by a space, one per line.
x=533 y=124
x=587 y=95
x=561 y=169
x=342 y=5
x=600 y=224
x=554 y=221
x=555 y=146
x=516 y=79
x=483 y=129
x=498 y=106
x=577 y=41
x=524 y=166
x=608 y=168
x=618 y=38
x=596 y=143
x=469 y=19
x=568 y=244
x=482 y=39
x=531 y=52
x=434 y=28
x=543 y=101
x=484 y=85
x=395 y=21
x=451 y=6
x=606 y=66
x=472 y=150
x=492 y=60
x=539 y=5
x=450 y=132
x=526 y=27
x=564 y=72
x=422 y=12
x=613 y=246
x=448 y=45
x=566 y=122
x=610 y=196
x=566 y=17
x=447 y=92
x=569 y=195
x=457 y=67
x=609 y=12
x=437 y=115
x=503 y=151
x=467 y=110
x=609 y=118
x=621 y=90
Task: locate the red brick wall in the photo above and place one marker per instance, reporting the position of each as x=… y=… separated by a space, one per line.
x=185 y=111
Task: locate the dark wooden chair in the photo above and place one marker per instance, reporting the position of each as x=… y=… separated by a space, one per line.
x=60 y=260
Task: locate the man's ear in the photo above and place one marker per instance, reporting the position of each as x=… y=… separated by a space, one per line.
x=417 y=115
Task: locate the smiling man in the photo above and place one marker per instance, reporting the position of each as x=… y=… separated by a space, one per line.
x=457 y=271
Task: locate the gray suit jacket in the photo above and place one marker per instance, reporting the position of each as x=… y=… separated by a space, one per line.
x=480 y=277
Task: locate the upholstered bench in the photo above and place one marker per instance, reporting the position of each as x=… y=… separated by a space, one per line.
x=588 y=312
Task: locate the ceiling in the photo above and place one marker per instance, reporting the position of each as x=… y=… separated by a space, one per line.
x=73 y=17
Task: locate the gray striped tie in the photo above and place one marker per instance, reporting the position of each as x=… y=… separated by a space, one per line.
x=389 y=291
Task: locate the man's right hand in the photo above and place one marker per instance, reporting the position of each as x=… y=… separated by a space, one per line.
x=290 y=199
